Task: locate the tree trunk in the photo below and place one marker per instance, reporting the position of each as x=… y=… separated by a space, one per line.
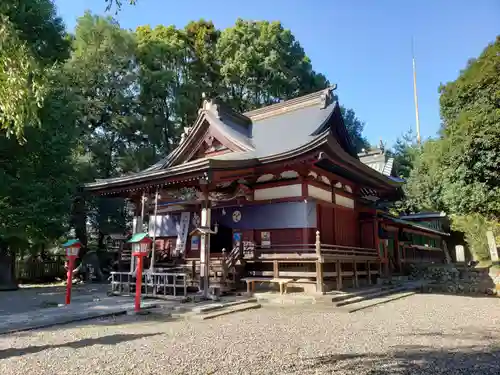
x=100 y=241
x=79 y=221
x=7 y=268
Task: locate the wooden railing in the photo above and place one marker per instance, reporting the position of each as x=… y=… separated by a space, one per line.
x=311 y=252
x=337 y=250
x=154 y=284
x=423 y=254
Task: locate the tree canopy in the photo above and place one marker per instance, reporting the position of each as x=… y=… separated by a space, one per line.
x=459 y=171
x=106 y=101
x=32 y=39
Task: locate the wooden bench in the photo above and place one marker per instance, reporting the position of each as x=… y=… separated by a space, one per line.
x=252 y=280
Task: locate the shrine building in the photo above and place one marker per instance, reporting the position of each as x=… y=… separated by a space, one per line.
x=279 y=192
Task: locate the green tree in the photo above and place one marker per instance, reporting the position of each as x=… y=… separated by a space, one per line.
x=355 y=129
x=36 y=174
x=471 y=124
x=424 y=187
x=405 y=152
x=38 y=178
x=163 y=76
x=261 y=63
x=459 y=171
x=117 y=4
x=103 y=73
x=31 y=40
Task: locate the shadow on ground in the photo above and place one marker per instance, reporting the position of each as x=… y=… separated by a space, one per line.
x=481 y=357
x=105 y=340
x=411 y=360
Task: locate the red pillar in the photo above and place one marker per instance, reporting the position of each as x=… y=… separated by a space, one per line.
x=138 y=283
x=69 y=282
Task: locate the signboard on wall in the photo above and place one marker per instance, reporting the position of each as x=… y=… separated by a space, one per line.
x=195 y=243
x=182 y=233
x=492 y=245
x=236 y=239
x=459 y=254
x=265 y=239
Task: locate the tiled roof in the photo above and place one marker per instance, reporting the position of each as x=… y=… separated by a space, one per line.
x=377 y=159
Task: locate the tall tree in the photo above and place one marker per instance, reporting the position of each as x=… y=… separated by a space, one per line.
x=36 y=176
x=459 y=171
x=38 y=179
x=262 y=62
x=355 y=128
x=471 y=124
x=405 y=152
x=103 y=73
x=32 y=39
x=163 y=77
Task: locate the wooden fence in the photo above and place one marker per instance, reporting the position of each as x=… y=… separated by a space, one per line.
x=38 y=271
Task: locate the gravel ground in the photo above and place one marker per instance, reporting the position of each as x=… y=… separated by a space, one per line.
x=423 y=334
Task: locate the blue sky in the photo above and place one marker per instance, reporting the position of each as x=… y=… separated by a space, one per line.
x=364 y=46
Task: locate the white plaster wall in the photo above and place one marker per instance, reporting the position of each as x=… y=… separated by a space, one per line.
x=344 y=201
x=278 y=192
x=318 y=193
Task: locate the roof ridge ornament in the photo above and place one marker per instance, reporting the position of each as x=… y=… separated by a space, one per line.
x=323 y=97
x=185 y=132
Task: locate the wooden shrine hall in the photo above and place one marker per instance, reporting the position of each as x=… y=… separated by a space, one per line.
x=276 y=194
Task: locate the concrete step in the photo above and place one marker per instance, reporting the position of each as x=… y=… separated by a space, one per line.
x=368 y=296
x=289 y=298
x=229 y=310
x=218 y=306
x=341 y=296
x=376 y=301
x=212 y=310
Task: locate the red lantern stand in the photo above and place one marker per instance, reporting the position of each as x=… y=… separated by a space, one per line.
x=72 y=248
x=140 y=248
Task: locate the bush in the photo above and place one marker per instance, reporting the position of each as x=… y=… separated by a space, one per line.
x=474 y=228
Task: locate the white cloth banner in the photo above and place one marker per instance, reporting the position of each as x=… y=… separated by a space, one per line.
x=182 y=233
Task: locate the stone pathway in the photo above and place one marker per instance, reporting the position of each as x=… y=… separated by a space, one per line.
x=34 y=308
x=33 y=298
x=76 y=311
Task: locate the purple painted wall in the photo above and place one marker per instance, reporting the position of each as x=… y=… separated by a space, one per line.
x=269 y=216
x=265 y=216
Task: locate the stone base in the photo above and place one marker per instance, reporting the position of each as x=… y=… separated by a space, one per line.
x=458 y=280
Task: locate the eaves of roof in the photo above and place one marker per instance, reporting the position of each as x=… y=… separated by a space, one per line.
x=412 y=225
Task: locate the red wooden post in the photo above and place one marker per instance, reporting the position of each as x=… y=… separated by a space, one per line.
x=69 y=282
x=72 y=248
x=140 y=247
x=138 y=283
